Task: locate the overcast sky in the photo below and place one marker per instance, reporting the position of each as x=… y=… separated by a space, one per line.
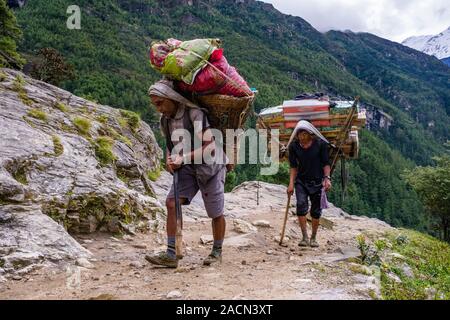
x=391 y=19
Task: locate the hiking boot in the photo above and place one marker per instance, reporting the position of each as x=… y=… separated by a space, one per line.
x=304 y=243
x=314 y=243
x=212 y=258
x=162 y=259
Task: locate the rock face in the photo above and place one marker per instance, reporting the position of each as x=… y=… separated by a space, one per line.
x=55 y=150
x=83 y=164
x=28 y=237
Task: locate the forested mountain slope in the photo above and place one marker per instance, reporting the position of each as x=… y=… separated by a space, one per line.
x=278 y=54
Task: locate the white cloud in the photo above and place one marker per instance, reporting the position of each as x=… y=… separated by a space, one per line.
x=391 y=19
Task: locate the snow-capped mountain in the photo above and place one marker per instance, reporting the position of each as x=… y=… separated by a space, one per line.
x=437 y=45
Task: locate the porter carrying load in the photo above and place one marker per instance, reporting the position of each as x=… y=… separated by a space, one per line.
x=202 y=75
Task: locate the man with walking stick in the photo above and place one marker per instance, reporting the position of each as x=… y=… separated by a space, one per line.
x=309 y=176
x=180 y=115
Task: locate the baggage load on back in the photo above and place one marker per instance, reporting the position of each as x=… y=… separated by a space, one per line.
x=202 y=74
x=314 y=110
x=328 y=118
x=182 y=61
x=198 y=66
x=272 y=115
x=218 y=77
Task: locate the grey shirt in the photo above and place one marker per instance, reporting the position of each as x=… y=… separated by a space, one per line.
x=199 y=122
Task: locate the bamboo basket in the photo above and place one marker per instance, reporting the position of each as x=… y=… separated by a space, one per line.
x=226 y=112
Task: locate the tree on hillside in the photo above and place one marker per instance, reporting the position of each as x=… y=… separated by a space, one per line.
x=432 y=184
x=51 y=67
x=9 y=35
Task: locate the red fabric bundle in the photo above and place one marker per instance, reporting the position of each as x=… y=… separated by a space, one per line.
x=316 y=123
x=300 y=110
x=211 y=81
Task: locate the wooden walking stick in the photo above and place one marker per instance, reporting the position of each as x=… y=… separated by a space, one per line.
x=285 y=219
x=179 y=234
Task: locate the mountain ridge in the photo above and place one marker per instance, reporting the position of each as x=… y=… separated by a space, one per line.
x=434 y=45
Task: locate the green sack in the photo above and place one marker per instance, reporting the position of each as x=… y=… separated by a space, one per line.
x=188 y=59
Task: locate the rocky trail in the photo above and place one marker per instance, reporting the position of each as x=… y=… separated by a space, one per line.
x=254 y=265
x=79 y=211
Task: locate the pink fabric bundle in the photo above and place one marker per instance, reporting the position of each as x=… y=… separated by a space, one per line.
x=212 y=81
x=160 y=51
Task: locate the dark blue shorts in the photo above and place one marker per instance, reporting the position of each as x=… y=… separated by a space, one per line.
x=312 y=191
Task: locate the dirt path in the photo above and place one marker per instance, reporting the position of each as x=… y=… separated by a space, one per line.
x=254 y=266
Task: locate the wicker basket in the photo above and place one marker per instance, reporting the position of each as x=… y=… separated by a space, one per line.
x=226 y=112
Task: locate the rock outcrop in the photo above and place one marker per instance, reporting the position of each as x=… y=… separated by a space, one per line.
x=28 y=238
x=83 y=164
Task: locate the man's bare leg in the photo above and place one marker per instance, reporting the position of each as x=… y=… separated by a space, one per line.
x=302 y=221
x=218 y=228
x=171 y=221
x=315 y=227
x=168 y=258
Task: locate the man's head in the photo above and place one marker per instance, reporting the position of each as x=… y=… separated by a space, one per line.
x=165 y=106
x=304 y=136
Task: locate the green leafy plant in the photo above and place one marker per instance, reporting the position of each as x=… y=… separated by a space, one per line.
x=10 y=35
x=18 y=86
x=38 y=114
x=428 y=259
x=102 y=118
x=132 y=118
x=83 y=125
x=103 y=150
x=57 y=146
x=61 y=106
x=154 y=175
x=370 y=255
x=432 y=185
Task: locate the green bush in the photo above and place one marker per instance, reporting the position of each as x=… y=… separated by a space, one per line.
x=103 y=150
x=61 y=106
x=125 y=140
x=18 y=86
x=102 y=118
x=154 y=175
x=57 y=146
x=132 y=118
x=37 y=114
x=83 y=125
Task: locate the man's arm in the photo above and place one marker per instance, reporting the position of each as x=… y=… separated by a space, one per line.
x=293 y=176
x=327 y=171
x=207 y=139
x=168 y=161
x=293 y=163
x=327 y=178
x=325 y=161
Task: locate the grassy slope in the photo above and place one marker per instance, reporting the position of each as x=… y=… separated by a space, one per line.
x=429 y=261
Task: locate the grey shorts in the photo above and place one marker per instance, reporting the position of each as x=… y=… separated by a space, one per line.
x=212 y=190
